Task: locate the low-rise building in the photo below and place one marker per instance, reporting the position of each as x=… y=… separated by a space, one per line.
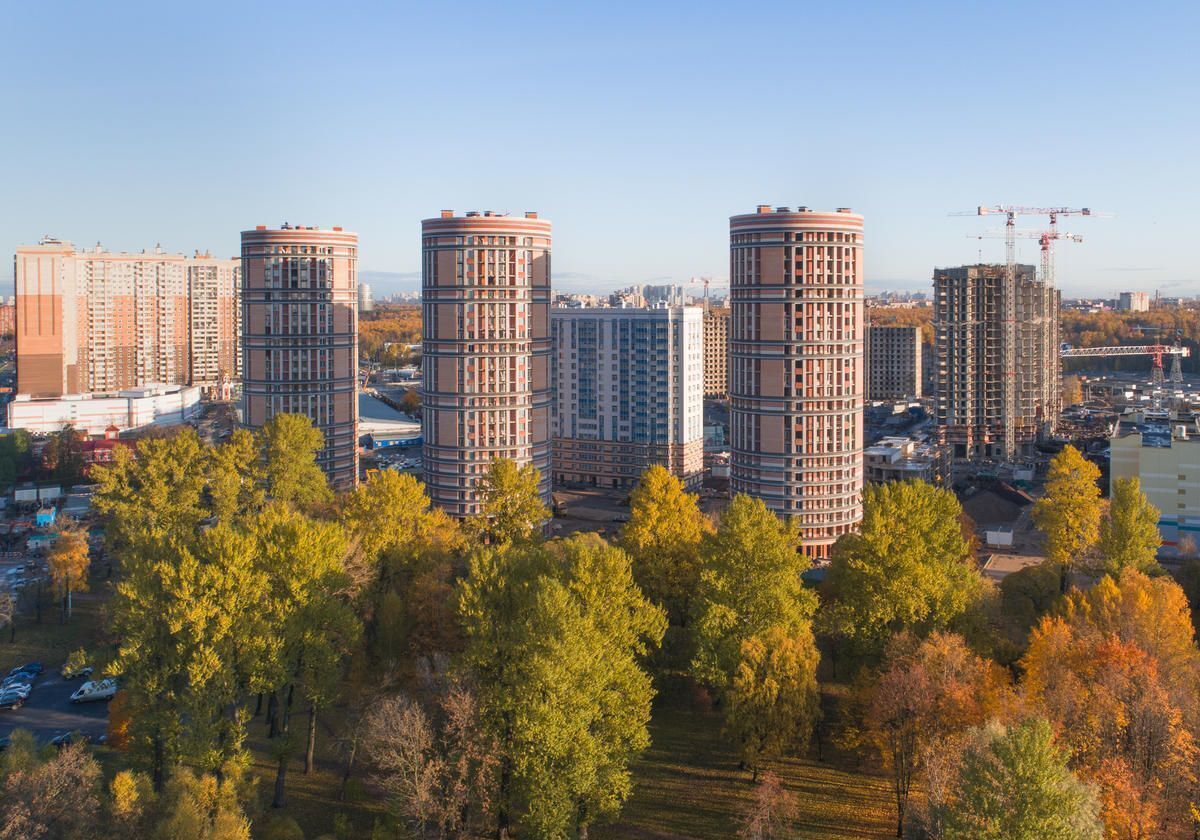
x=94 y=414
x=903 y=458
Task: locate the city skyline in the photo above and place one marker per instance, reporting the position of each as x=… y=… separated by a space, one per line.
x=650 y=130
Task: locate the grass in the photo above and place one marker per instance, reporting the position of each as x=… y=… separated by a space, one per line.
x=688 y=785
x=51 y=641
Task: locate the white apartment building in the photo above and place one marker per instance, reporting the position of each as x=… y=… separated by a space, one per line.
x=628 y=393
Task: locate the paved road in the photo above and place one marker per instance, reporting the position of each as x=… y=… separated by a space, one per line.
x=49 y=710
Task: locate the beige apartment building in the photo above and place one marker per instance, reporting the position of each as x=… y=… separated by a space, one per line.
x=977 y=362
x=485 y=299
x=1162 y=451
x=716 y=353
x=796 y=384
x=96 y=321
x=894 y=363
x=300 y=336
x=628 y=393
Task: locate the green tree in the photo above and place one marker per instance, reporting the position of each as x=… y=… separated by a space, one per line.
x=772 y=703
x=1129 y=535
x=154 y=494
x=554 y=638
x=750 y=582
x=63 y=457
x=1015 y=785
x=201 y=807
x=16 y=456
x=663 y=536
x=235 y=477
x=907 y=567
x=513 y=510
x=1069 y=512
x=391 y=513
x=290 y=444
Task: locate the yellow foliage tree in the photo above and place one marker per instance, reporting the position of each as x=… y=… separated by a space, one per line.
x=1069 y=513
x=68 y=562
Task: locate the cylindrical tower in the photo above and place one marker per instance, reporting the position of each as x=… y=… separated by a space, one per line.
x=485 y=300
x=796 y=367
x=300 y=336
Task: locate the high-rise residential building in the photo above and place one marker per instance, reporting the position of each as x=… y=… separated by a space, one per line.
x=366 y=303
x=1134 y=302
x=894 y=364
x=716 y=353
x=628 y=392
x=300 y=336
x=1161 y=449
x=95 y=321
x=977 y=366
x=485 y=300
x=796 y=383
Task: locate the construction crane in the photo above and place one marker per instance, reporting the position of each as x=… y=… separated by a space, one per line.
x=1048 y=237
x=1158 y=351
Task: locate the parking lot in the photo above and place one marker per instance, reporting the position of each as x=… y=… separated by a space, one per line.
x=49 y=711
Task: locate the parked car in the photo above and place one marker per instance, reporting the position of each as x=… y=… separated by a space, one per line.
x=73 y=673
x=11 y=699
x=68 y=738
x=31 y=667
x=18 y=679
x=95 y=690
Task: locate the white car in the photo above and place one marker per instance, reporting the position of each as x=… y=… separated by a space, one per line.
x=95 y=690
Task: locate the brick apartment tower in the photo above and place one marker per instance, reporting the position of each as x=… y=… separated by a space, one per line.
x=300 y=336
x=796 y=367
x=485 y=299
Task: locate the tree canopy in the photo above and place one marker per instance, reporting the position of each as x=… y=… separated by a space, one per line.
x=1129 y=535
x=1069 y=512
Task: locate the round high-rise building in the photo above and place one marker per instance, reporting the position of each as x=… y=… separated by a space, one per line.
x=300 y=336
x=796 y=367
x=485 y=300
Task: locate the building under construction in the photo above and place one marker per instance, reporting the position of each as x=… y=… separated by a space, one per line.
x=995 y=359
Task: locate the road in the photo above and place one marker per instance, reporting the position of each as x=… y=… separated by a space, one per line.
x=49 y=710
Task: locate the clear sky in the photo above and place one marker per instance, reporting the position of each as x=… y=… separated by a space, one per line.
x=637 y=127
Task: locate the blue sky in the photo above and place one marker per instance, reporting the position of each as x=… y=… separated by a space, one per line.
x=638 y=128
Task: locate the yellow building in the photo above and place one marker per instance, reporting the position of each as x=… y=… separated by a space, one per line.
x=1164 y=455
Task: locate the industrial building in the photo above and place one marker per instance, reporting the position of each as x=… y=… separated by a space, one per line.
x=300 y=336
x=995 y=378
x=1162 y=451
x=796 y=384
x=716 y=353
x=96 y=321
x=628 y=393
x=137 y=408
x=485 y=300
x=894 y=363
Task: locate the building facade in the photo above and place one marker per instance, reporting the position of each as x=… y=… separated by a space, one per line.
x=137 y=408
x=485 y=301
x=796 y=385
x=1163 y=452
x=214 y=323
x=300 y=336
x=716 y=353
x=1134 y=302
x=976 y=364
x=628 y=393
x=366 y=303
x=96 y=321
x=905 y=458
x=894 y=363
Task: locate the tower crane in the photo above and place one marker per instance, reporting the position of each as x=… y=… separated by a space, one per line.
x=1047 y=238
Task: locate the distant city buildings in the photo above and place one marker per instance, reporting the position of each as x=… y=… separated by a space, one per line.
x=796 y=379
x=977 y=363
x=1134 y=302
x=96 y=321
x=300 y=336
x=628 y=393
x=485 y=280
x=894 y=363
x=716 y=353
x=365 y=302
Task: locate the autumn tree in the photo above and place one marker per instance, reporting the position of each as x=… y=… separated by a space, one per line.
x=68 y=561
x=1069 y=512
x=749 y=583
x=554 y=638
x=235 y=477
x=56 y=797
x=1015 y=785
x=923 y=696
x=772 y=703
x=512 y=506
x=1129 y=535
x=201 y=807
x=290 y=444
x=62 y=457
x=906 y=568
x=663 y=536
x=772 y=811
x=130 y=800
